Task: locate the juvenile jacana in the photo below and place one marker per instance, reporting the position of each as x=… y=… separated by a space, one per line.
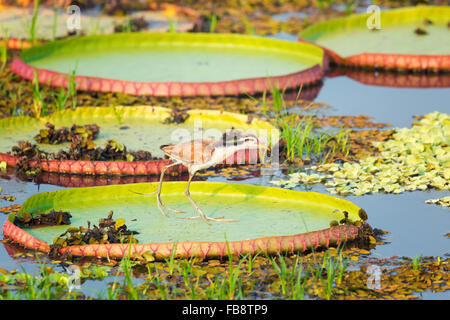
x=201 y=154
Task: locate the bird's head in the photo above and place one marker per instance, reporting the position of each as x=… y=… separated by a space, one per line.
x=243 y=142
x=251 y=142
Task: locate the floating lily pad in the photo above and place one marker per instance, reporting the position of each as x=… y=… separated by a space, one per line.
x=139 y=128
x=174 y=64
x=280 y=220
x=396 y=45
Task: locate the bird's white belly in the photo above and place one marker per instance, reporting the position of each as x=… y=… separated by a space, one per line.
x=198 y=167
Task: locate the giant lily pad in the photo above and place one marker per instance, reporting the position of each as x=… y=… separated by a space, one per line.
x=268 y=219
x=174 y=64
x=139 y=128
x=409 y=38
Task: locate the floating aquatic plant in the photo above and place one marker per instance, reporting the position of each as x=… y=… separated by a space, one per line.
x=108 y=231
x=50 y=135
x=414 y=159
x=445 y=201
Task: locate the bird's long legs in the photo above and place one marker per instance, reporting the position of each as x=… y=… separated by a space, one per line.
x=158 y=192
x=200 y=212
x=188 y=195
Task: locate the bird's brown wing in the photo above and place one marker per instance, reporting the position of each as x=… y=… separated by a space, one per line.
x=194 y=151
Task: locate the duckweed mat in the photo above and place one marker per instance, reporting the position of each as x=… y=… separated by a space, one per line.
x=268 y=219
x=139 y=128
x=171 y=64
x=415 y=158
x=414 y=38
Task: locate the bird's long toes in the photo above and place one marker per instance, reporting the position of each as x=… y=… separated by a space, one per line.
x=169 y=208
x=162 y=211
x=206 y=219
x=189 y=218
x=220 y=219
x=174 y=210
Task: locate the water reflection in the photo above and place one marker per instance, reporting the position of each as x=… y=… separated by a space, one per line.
x=393 y=79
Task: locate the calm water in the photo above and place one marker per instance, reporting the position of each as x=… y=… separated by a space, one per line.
x=396 y=106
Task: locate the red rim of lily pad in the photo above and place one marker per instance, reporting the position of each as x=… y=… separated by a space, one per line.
x=305 y=77
x=389 y=61
x=317 y=202
x=80 y=181
x=268 y=245
x=152 y=167
x=392 y=61
x=142 y=168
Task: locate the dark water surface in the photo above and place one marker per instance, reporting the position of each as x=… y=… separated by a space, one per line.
x=396 y=106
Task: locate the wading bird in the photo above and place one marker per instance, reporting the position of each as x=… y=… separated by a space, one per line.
x=202 y=154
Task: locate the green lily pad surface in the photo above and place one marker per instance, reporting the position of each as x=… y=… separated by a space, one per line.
x=153 y=57
x=138 y=128
x=259 y=211
x=350 y=36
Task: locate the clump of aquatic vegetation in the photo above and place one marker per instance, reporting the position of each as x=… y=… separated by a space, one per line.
x=445 y=201
x=413 y=159
x=50 y=135
x=108 y=231
x=177 y=116
x=38 y=219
